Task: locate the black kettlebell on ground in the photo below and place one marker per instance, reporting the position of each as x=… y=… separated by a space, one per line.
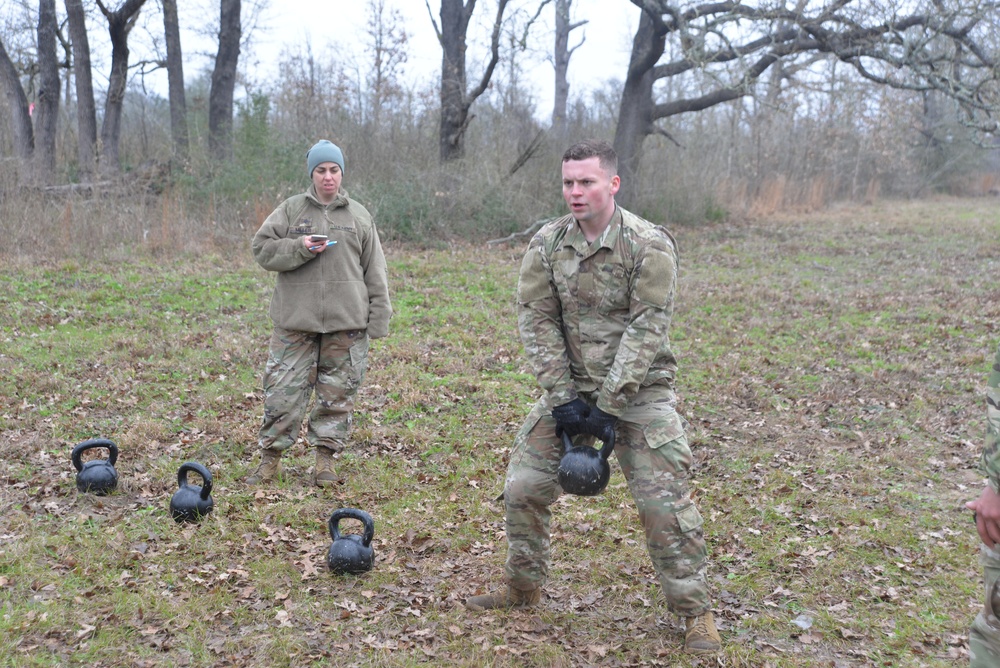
x=98 y=476
x=584 y=470
x=190 y=503
x=351 y=553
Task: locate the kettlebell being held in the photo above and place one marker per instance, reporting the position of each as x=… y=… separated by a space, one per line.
x=352 y=553
x=190 y=503
x=584 y=470
x=98 y=476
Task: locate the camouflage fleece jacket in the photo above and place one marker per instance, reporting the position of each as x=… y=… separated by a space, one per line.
x=595 y=317
x=991 y=449
x=343 y=288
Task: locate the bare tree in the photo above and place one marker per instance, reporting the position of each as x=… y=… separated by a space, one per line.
x=20 y=118
x=723 y=48
x=120 y=24
x=455 y=99
x=220 y=97
x=86 y=111
x=386 y=45
x=561 y=55
x=175 y=78
x=49 y=89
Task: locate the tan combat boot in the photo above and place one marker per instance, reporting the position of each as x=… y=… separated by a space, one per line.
x=509 y=598
x=700 y=635
x=324 y=475
x=268 y=469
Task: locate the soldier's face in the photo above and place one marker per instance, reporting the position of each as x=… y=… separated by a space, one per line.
x=327 y=177
x=589 y=191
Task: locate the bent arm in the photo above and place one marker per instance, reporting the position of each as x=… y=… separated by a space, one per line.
x=539 y=320
x=274 y=250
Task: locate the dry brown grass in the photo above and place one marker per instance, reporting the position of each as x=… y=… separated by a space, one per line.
x=832 y=367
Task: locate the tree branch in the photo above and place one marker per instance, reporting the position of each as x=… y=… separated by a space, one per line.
x=522 y=234
x=494 y=54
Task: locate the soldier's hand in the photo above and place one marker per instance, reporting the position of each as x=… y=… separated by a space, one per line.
x=316 y=243
x=600 y=424
x=569 y=417
x=987 y=510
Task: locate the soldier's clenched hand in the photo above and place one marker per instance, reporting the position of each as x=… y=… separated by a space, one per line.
x=987 y=509
x=569 y=417
x=600 y=424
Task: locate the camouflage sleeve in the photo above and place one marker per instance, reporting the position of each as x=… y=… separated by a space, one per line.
x=273 y=250
x=991 y=449
x=652 y=288
x=539 y=319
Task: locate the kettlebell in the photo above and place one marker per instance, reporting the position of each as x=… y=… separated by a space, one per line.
x=190 y=503
x=351 y=553
x=584 y=470
x=98 y=476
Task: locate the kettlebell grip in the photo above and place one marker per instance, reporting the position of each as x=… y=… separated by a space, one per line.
x=355 y=514
x=206 y=477
x=77 y=455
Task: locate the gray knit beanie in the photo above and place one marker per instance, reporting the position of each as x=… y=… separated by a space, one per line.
x=324 y=151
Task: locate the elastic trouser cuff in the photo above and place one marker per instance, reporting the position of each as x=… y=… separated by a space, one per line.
x=277 y=445
x=686 y=597
x=332 y=447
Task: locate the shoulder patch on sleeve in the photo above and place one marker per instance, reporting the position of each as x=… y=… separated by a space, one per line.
x=534 y=282
x=656 y=275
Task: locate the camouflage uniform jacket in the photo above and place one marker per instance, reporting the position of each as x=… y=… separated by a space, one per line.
x=991 y=449
x=595 y=318
x=341 y=289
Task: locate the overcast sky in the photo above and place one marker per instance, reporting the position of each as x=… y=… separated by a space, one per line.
x=337 y=26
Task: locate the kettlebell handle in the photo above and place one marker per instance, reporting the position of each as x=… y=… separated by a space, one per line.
x=606 y=449
x=354 y=514
x=78 y=451
x=206 y=477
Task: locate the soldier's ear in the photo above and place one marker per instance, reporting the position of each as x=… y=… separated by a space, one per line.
x=616 y=183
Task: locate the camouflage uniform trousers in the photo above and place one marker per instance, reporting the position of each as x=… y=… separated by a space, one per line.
x=652 y=450
x=984 y=637
x=334 y=364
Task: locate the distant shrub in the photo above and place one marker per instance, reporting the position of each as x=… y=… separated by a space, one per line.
x=403 y=210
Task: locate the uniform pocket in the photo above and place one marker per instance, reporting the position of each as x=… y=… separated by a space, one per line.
x=689 y=519
x=666 y=429
x=359 y=357
x=612 y=286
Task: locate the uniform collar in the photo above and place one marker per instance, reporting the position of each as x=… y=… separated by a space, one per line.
x=607 y=239
x=339 y=200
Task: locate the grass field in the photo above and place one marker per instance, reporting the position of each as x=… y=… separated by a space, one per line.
x=832 y=369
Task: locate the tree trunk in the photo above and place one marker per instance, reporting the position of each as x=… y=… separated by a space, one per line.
x=635 y=117
x=20 y=117
x=86 y=111
x=49 y=88
x=454 y=110
x=175 y=79
x=455 y=101
x=220 y=98
x=561 y=55
x=120 y=23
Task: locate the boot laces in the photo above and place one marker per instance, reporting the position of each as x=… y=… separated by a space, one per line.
x=699 y=626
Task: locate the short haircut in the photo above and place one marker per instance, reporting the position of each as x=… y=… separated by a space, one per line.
x=594 y=148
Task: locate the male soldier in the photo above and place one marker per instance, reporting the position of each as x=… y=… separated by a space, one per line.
x=330 y=298
x=595 y=298
x=984 y=638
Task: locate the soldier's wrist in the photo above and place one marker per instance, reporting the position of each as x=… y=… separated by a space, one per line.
x=610 y=409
